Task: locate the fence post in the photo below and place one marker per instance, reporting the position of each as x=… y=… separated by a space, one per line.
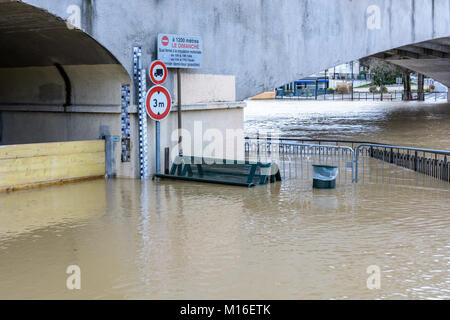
x=415 y=161
x=446 y=175
x=166 y=160
x=257 y=144
x=110 y=146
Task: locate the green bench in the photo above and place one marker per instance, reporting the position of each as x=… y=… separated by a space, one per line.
x=223 y=171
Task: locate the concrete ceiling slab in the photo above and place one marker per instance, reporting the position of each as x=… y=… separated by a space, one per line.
x=431 y=58
x=438 y=69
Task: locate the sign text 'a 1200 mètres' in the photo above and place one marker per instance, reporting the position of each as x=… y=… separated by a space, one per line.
x=178 y=51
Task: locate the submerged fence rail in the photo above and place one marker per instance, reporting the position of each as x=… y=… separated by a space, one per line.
x=296 y=155
x=426 y=161
x=296 y=159
x=362 y=96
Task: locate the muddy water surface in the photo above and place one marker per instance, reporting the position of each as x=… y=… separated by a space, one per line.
x=173 y=239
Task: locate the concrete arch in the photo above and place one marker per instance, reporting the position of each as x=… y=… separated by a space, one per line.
x=43 y=60
x=57 y=83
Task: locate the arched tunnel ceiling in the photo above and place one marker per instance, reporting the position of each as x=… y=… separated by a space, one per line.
x=33 y=37
x=431 y=58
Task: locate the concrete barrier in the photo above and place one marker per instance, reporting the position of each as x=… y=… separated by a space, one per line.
x=29 y=165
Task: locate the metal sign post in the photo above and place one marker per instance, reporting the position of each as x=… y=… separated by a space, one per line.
x=158 y=74
x=157 y=104
x=180 y=136
x=158 y=147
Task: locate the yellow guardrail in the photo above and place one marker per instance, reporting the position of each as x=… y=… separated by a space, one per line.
x=29 y=165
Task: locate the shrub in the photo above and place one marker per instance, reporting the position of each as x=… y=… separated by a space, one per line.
x=343 y=88
x=431 y=87
x=383 y=89
x=372 y=89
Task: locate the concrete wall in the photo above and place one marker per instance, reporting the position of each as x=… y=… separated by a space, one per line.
x=198 y=123
x=202 y=88
x=32 y=106
x=31 y=85
x=264 y=44
x=32 y=111
x=36 y=126
x=94 y=85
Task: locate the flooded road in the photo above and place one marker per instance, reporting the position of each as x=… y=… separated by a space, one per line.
x=173 y=239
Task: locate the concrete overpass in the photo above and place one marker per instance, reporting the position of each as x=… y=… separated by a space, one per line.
x=63 y=83
x=431 y=58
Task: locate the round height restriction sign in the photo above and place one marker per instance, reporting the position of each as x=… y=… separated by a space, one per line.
x=158 y=72
x=158 y=103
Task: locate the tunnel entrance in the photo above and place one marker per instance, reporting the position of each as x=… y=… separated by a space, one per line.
x=57 y=83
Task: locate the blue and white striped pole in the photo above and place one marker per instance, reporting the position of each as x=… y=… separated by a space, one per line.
x=140 y=79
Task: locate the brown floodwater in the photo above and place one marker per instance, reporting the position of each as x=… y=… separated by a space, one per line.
x=415 y=124
x=174 y=239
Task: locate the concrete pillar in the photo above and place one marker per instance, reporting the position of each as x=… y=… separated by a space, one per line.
x=420 y=85
x=317 y=89
x=406 y=86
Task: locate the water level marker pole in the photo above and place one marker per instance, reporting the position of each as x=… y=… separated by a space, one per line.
x=139 y=78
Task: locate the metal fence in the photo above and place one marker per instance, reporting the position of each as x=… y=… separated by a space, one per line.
x=307 y=94
x=358 y=161
x=295 y=159
x=428 y=162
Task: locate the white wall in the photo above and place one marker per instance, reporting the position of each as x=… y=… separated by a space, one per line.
x=201 y=88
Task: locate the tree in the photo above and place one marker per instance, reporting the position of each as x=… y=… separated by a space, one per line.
x=384 y=73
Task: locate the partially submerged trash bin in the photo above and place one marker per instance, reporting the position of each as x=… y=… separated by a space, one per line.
x=324 y=176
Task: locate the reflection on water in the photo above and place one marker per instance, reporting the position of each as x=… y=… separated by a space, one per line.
x=174 y=239
x=198 y=241
x=408 y=124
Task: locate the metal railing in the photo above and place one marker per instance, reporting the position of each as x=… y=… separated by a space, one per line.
x=295 y=159
x=429 y=162
x=306 y=94
x=296 y=155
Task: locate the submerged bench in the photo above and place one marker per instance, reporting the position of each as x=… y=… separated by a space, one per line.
x=223 y=171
